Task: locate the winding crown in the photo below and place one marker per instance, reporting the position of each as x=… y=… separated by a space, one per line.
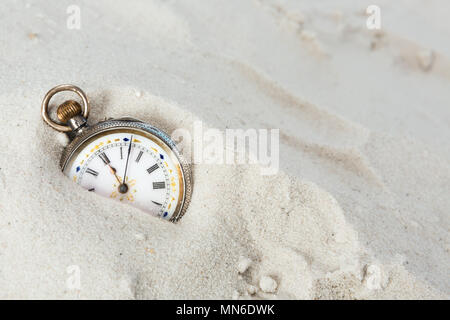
x=67 y=110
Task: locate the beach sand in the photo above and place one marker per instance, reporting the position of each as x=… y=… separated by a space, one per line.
x=359 y=208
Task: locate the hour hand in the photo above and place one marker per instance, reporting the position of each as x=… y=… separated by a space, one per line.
x=114 y=172
x=107 y=162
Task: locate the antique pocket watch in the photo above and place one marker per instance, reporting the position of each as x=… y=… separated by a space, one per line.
x=124 y=159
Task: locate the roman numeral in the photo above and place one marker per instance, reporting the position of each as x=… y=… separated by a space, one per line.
x=152 y=168
x=157 y=203
x=91 y=189
x=104 y=158
x=121 y=154
x=93 y=172
x=159 y=185
x=139 y=156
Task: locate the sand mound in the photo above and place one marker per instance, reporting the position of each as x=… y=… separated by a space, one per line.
x=293 y=235
x=358 y=209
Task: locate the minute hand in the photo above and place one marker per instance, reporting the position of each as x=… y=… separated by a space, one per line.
x=128 y=158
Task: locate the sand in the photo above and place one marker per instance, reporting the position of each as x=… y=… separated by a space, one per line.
x=358 y=210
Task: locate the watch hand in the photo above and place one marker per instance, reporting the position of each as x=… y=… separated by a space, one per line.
x=113 y=171
x=123 y=188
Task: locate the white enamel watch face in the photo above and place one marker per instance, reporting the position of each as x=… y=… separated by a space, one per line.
x=131 y=166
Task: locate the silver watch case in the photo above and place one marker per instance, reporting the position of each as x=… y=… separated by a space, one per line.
x=112 y=124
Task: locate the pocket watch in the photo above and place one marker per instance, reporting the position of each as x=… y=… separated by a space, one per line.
x=123 y=159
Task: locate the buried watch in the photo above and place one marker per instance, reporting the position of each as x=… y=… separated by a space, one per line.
x=124 y=159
